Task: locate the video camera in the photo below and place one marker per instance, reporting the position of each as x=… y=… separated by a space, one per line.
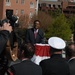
x=12 y=18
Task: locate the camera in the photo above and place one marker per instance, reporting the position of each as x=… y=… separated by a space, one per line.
x=12 y=18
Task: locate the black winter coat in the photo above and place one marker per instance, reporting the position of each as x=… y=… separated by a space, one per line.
x=4 y=36
x=56 y=65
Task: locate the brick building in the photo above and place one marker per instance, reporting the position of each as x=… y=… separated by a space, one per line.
x=67 y=6
x=19 y=7
x=49 y=4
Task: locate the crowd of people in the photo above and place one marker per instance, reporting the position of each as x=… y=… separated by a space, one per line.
x=17 y=61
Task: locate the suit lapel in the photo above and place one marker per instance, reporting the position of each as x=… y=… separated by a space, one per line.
x=33 y=32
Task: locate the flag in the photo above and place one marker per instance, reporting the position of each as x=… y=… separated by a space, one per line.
x=42 y=51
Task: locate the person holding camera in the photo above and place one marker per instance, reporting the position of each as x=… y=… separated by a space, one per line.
x=5 y=31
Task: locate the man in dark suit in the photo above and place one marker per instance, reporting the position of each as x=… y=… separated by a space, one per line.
x=34 y=35
x=70 y=54
x=26 y=67
x=56 y=65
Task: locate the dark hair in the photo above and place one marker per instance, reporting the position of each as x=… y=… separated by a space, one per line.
x=35 y=22
x=29 y=50
x=55 y=50
x=4 y=21
x=69 y=50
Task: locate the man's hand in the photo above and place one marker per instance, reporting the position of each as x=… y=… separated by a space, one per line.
x=6 y=26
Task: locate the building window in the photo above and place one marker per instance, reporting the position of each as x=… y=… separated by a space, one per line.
x=31 y=5
x=16 y=11
x=54 y=6
x=49 y=5
x=31 y=14
x=8 y=3
x=43 y=4
x=22 y=1
x=7 y=0
x=16 y=1
x=59 y=6
x=22 y=12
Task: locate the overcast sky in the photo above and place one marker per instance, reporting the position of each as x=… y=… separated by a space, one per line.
x=49 y=0
x=53 y=0
x=57 y=0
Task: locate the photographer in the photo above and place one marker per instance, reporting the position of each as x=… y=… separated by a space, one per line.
x=5 y=30
x=13 y=20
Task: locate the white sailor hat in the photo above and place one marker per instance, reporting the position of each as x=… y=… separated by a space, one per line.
x=57 y=43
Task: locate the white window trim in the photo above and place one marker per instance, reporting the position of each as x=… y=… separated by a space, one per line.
x=31 y=5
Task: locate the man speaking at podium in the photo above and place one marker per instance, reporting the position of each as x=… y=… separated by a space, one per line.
x=34 y=35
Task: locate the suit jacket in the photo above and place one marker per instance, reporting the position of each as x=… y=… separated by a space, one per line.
x=30 y=38
x=72 y=66
x=26 y=67
x=56 y=65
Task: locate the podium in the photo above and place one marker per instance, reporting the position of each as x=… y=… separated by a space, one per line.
x=42 y=51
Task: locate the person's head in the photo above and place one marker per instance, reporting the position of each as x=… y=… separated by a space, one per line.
x=2 y=22
x=5 y=25
x=36 y=24
x=29 y=50
x=57 y=45
x=70 y=50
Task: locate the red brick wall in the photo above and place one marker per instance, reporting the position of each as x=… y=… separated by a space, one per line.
x=1 y=8
x=19 y=6
x=64 y=4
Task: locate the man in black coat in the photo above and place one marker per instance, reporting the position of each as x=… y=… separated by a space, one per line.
x=26 y=67
x=70 y=54
x=56 y=65
x=34 y=35
x=5 y=31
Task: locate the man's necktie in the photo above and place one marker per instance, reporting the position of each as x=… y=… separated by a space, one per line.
x=35 y=33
